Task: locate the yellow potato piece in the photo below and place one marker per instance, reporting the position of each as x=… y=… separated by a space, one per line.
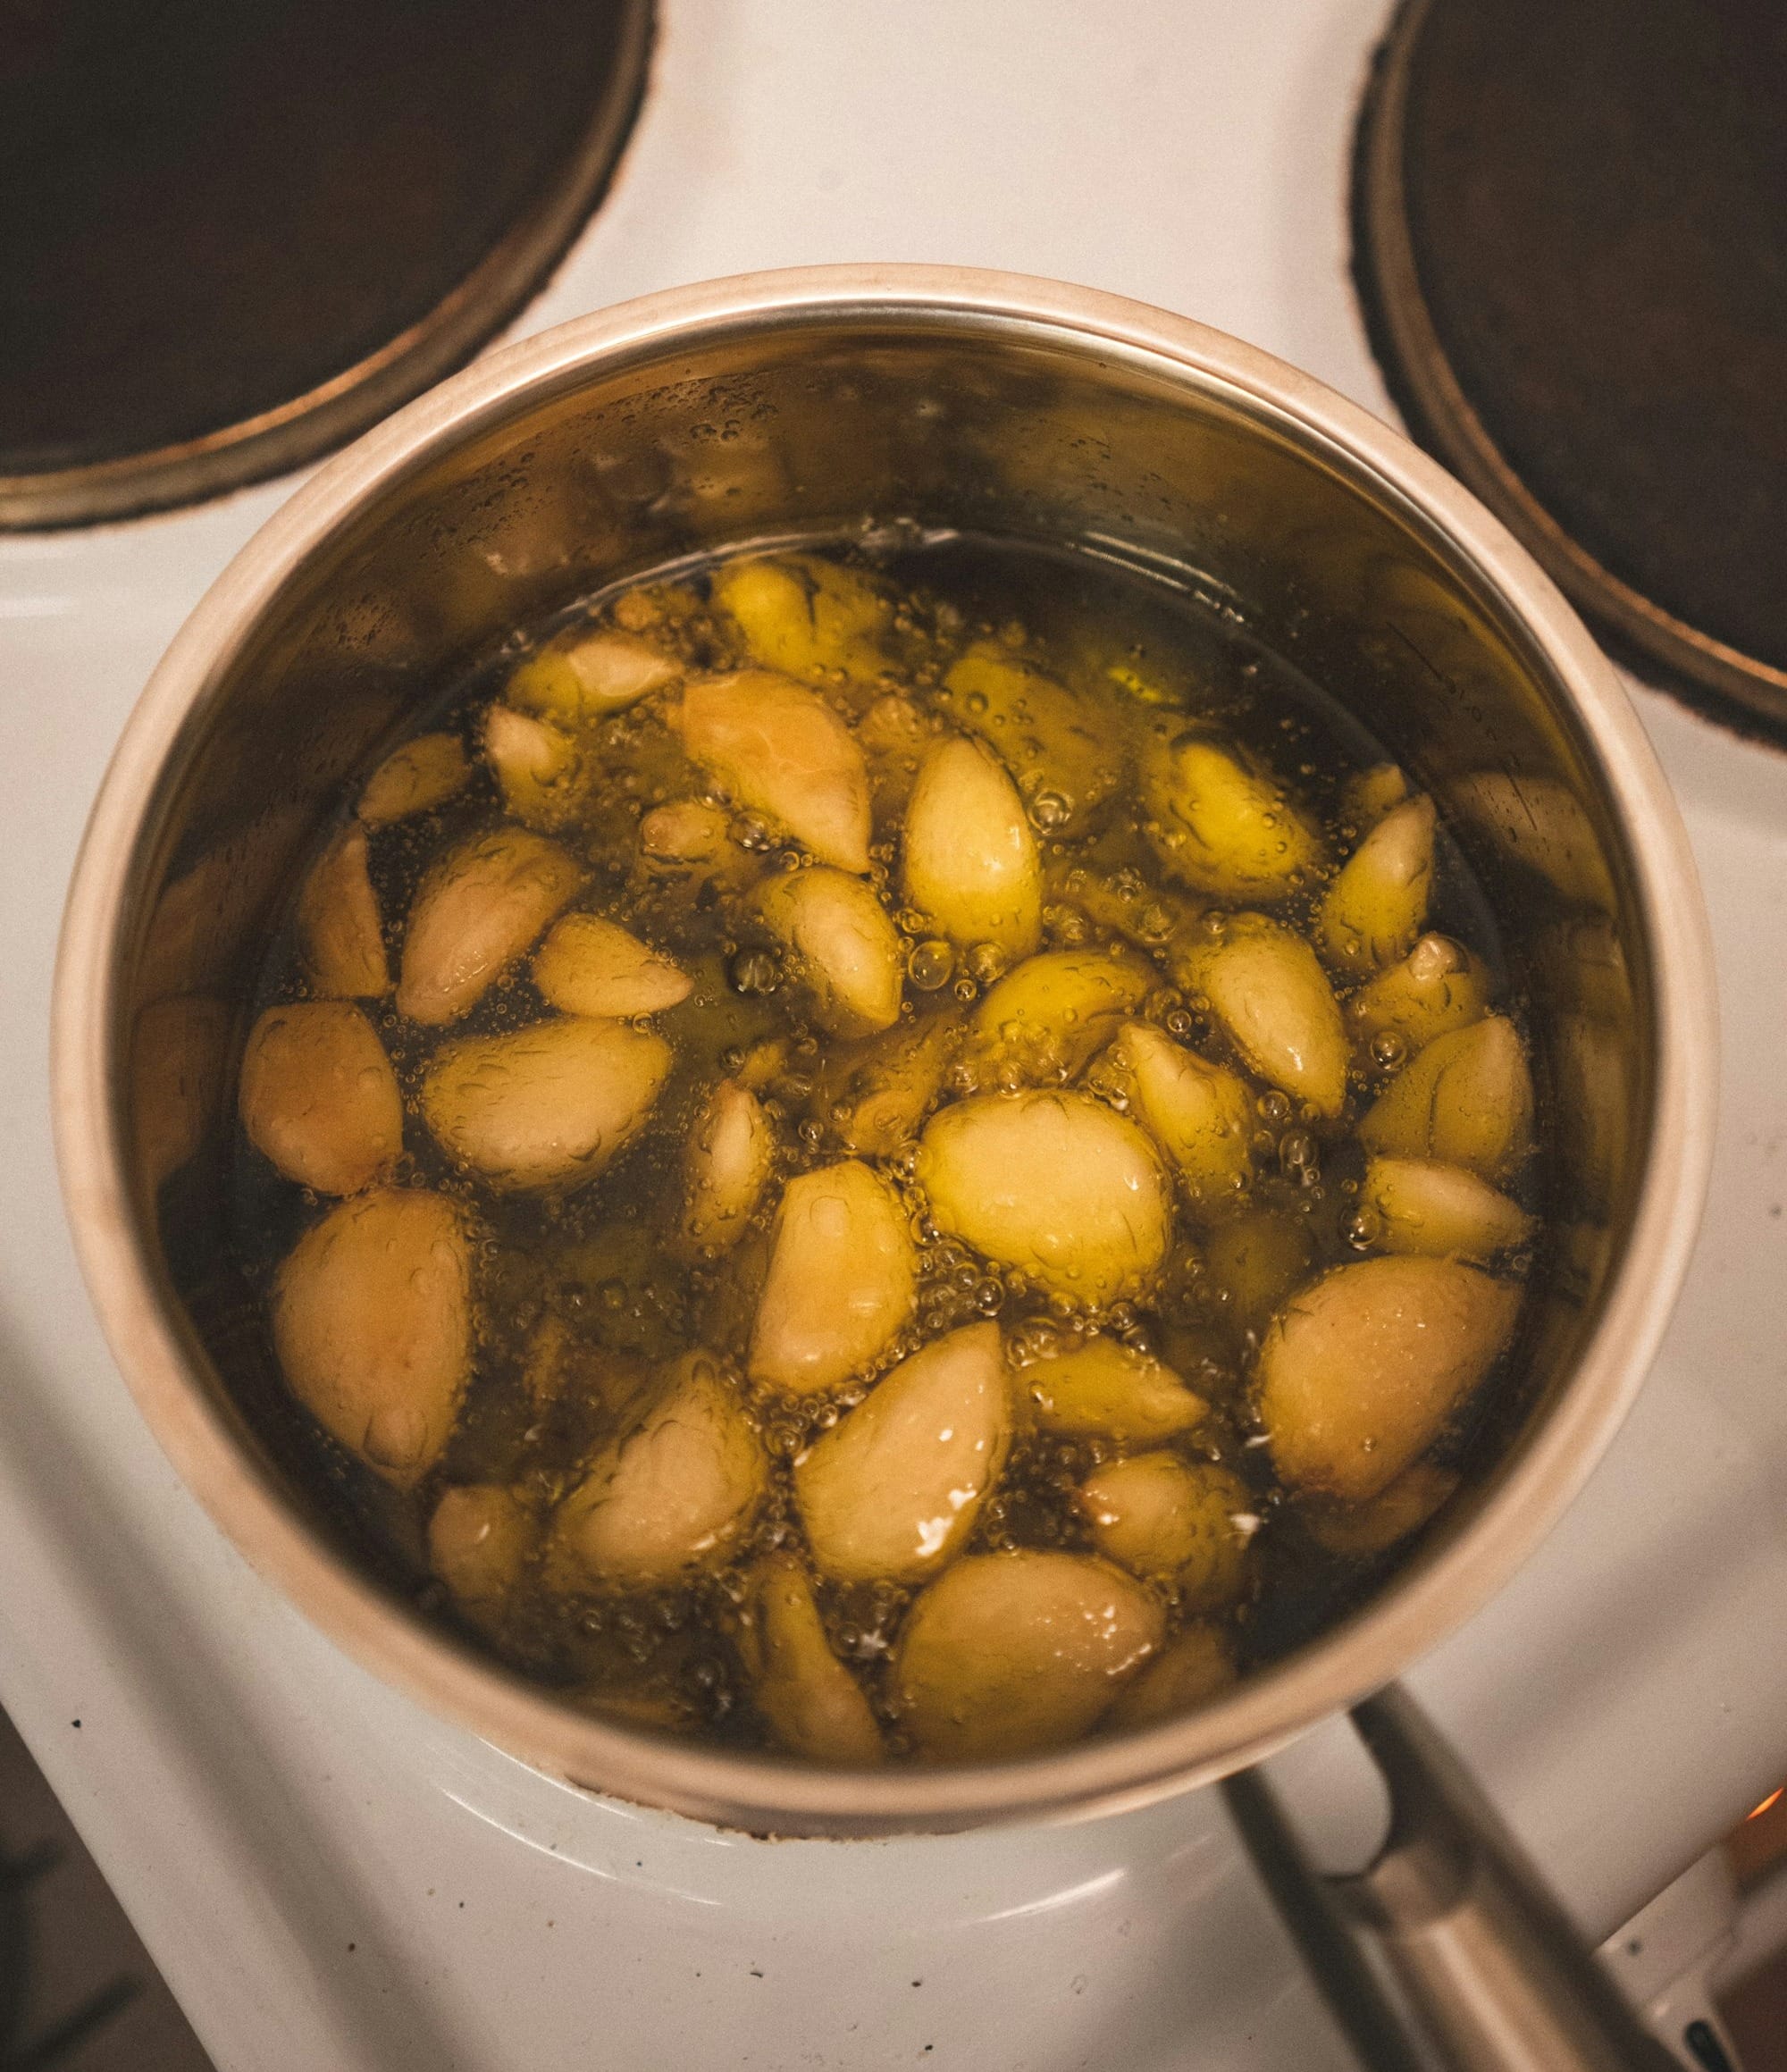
x=674 y=1495
x=1255 y=1260
x=539 y=768
x=1439 y=986
x=1194 y=1665
x=842 y=1283
x=726 y=1165
x=1184 y=1522
x=1371 y=795
x=1372 y=913
x=1266 y=988
x=1200 y=1114
x=1362 y=1370
x=319 y=1097
x=1066 y=763
x=583 y=676
x=1464 y=1100
x=810 y=1702
x=687 y=838
x=1220 y=822
x=479 y=910
x=422 y=773
x=1047 y=1017
x=808 y=618
x=894 y=1490
x=372 y=1318
x=894 y=735
x=1006 y=1654
x=779 y=749
x=339 y=934
x=1442 y=1210
x=1101 y=1387
x=592 y=967
x=1392 y=1514
x=969 y=860
x=1122 y=901
x=479 y=1540
x=1053 y=1185
x=846 y=951
x=546 y=1106
x=875 y=1094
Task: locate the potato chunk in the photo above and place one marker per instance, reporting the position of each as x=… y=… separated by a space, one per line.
x=969 y=860
x=1372 y=913
x=1265 y=987
x=1405 y=1506
x=876 y=1093
x=1200 y=1114
x=674 y=1495
x=338 y=933
x=894 y=735
x=422 y=773
x=780 y=750
x=1194 y=1665
x=179 y=1052
x=1009 y=1653
x=1359 y=1374
x=726 y=1165
x=1102 y=1388
x=539 y=768
x=1065 y=763
x=479 y=1540
x=689 y=839
x=894 y=1490
x=591 y=967
x=808 y=618
x=372 y=1318
x=846 y=951
x=1464 y=1100
x=478 y=910
x=1442 y=1210
x=811 y=1703
x=841 y=1282
x=1438 y=987
x=1184 y=1522
x=1053 y=1185
x=1047 y=1017
x=1372 y=793
x=319 y=1097
x=546 y=1106
x=1255 y=1260
x=1220 y=822
x=582 y=677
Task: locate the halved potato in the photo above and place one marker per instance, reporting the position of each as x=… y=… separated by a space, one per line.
x=894 y=1490
x=1372 y=913
x=841 y=1282
x=877 y=1093
x=779 y=749
x=583 y=676
x=1464 y=1100
x=1255 y=1260
x=1101 y=1387
x=845 y=948
x=1359 y=1374
x=372 y=1317
x=479 y=1540
x=1266 y=988
x=340 y=936
x=1439 y=986
x=479 y=910
x=811 y=1703
x=414 y=778
x=539 y=768
x=1054 y=1185
x=1218 y=821
x=726 y=1163
x=688 y=838
x=319 y=1097
x=1442 y=1210
x=1006 y=1654
x=1047 y=1017
x=1179 y=1521
x=1200 y=1114
x=591 y=967
x=548 y=1105
x=968 y=861
x=807 y=617
x=1194 y=1665
x=1065 y=763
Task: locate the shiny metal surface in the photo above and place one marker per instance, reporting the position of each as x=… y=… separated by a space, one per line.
x=823 y=400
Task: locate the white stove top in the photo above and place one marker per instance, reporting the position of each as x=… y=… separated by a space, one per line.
x=331 y=1879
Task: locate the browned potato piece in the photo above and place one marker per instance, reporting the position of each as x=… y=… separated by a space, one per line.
x=727 y=1162
x=845 y=949
x=1218 y=821
x=807 y=617
x=319 y=1097
x=1264 y=986
x=549 y=1106
x=479 y=910
x=422 y=773
x=1438 y=987
x=813 y=1704
x=689 y=840
x=876 y=1093
x=338 y=933
x=1053 y=1185
x=674 y=1495
x=1194 y=1665
x=1392 y=1514
x=371 y=1320
x=1465 y=1099
x=779 y=749
x=1185 y=1521
x=968 y=858
x=591 y=967
x=1372 y=913
x=177 y=1053
x=479 y=1540
x=584 y=676
x=1047 y=1017
x=1006 y=1654
x=1256 y=1260
x=1065 y=763
x=539 y=768
x=1103 y=1388
x=894 y=1490
x=1359 y=1373
x=841 y=1282
x=1442 y=1210
x=1200 y=1114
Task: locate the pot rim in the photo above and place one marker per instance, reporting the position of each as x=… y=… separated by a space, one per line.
x=1415 y=1610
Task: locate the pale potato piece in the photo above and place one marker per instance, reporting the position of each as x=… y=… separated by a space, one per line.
x=545 y=1106
x=687 y=838
x=811 y=1703
x=894 y=735
x=1464 y=1100
x=422 y=773
x=479 y=1540
x=583 y=676
x=1392 y=1514
x=1372 y=913
x=372 y=1318
x=1266 y=988
x=1047 y=1017
x=338 y=933
x=1220 y=822
x=1103 y=1388
x=178 y=1049
x=674 y=1495
x=539 y=768
x=479 y=910
x=1006 y=1654
x=842 y=1283
x=1362 y=1371
x=1442 y=1210
x=968 y=861
x=1200 y=1114
x=1256 y=1260
x=1121 y=901
x=318 y=1095
x=779 y=749
x=808 y=618
x=1439 y=986
x=1371 y=795
x=1179 y=1521
x=591 y=967
x=875 y=1094
x=846 y=951
x=726 y=1166
x=894 y=1490
x=1054 y=1185
x=1194 y=1665
x=1065 y=763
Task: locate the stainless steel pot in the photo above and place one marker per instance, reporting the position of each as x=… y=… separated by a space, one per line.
x=805 y=402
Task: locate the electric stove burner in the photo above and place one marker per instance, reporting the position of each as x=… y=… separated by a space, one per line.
x=231 y=237
x=1569 y=225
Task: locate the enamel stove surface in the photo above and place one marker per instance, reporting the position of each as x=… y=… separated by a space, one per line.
x=331 y=1878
